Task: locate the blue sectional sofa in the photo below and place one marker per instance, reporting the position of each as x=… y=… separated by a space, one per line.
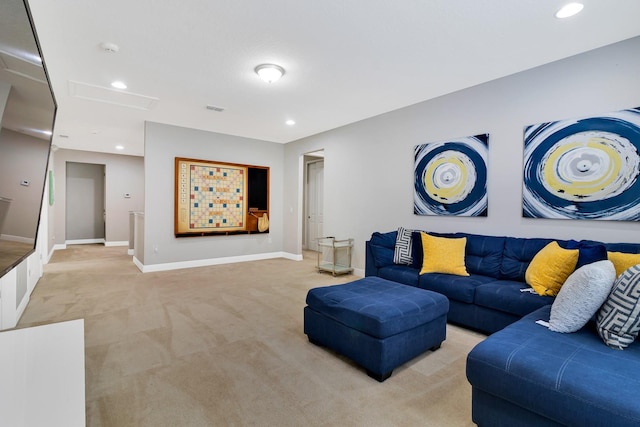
x=495 y=293
x=527 y=375
x=523 y=374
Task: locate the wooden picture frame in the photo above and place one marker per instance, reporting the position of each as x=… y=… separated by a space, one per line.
x=220 y=198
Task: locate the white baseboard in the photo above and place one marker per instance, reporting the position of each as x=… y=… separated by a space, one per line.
x=213 y=261
x=117 y=243
x=59 y=247
x=84 y=241
x=138 y=264
x=358 y=272
x=292 y=257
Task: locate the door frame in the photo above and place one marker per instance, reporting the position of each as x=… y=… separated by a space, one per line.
x=102 y=240
x=308 y=158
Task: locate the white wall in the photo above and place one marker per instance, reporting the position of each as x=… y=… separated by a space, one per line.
x=123 y=174
x=163 y=143
x=369 y=164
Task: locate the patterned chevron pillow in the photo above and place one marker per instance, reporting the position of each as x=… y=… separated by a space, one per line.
x=402 y=252
x=619 y=318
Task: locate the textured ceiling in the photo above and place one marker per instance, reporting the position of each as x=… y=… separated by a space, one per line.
x=345 y=60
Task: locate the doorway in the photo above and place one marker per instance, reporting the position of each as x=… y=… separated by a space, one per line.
x=85 y=204
x=314 y=199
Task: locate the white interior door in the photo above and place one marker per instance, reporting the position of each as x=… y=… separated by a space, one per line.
x=315 y=203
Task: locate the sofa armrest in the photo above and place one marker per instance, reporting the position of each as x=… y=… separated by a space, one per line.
x=370 y=268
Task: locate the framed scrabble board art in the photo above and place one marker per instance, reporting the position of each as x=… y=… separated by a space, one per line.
x=213 y=198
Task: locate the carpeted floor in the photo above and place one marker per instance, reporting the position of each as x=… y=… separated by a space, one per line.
x=224 y=346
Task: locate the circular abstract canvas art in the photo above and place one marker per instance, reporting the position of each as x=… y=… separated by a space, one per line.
x=450 y=177
x=583 y=169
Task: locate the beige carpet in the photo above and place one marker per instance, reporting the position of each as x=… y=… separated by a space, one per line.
x=224 y=346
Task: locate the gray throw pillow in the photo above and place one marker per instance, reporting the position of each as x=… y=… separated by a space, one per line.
x=402 y=252
x=619 y=318
x=581 y=296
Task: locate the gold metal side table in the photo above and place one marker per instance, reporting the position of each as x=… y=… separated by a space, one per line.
x=334 y=256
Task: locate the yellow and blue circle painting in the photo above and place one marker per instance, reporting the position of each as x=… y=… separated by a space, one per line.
x=583 y=169
x=450 y=177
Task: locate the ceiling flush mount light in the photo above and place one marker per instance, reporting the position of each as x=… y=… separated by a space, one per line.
x=119 y=147
x=290 y=122
x=215 y=108
x=269 y=72
x=109 y=47
x=118 y=85
x=569 y=10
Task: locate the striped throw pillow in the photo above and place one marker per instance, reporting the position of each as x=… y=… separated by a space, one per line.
x=618 y=320
x=402 y=252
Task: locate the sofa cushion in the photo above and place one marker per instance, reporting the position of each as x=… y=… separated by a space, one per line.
x=459 y=288
x=483 y=254
x=510 y=297
x=572 y=379
x=382 y=256
x=549 y=269
x=619 y=318
x=416 y=250
x=588 y=252
x=628 y=248
x=402 y=250
x=518 y=253
x=581 y=296
x=387 y=240
x=443 y=255
x=400 y=273
x=377 y=307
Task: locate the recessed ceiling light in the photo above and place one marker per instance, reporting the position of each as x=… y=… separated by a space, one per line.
x=119 y=147
x=118 y=85
x=269 y=72
x=569 y=10
x=290 y=122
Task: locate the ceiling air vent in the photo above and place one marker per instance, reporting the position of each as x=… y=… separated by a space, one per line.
x=214 y=108
x=111 y=96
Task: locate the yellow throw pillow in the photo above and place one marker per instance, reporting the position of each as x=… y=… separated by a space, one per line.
x=550 y=268
x=443 y=255
x=622 y=261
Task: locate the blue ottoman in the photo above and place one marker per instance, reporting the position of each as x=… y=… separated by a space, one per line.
x=377 y=323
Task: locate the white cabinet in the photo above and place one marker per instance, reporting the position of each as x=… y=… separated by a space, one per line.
x=42 y=376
